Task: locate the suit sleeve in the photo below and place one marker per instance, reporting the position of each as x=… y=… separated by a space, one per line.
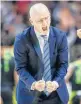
x=21 y=61
x=62 y=60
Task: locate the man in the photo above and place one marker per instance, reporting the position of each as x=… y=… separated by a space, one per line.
x=7 y=75
x=79 y=33
x=73 y=75
x=41 y=56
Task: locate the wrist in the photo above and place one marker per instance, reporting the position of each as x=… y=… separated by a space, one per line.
x=56 y=84
x=33 y=86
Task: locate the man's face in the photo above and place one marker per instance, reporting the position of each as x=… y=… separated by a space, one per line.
x=41 y=22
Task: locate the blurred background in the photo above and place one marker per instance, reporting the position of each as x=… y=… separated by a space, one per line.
x=65 y=15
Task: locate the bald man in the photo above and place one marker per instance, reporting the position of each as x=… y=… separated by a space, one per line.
x=41 y=57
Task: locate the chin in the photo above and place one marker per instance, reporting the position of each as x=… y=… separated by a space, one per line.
x=45 y=32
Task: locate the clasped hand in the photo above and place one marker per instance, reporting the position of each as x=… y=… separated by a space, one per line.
x=41 y=85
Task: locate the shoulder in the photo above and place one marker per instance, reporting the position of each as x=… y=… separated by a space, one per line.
x=22 y=38
x=58 y=32
x=60 y=36
x=23 y=35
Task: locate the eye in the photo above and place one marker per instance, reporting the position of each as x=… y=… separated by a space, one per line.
x=40 y=21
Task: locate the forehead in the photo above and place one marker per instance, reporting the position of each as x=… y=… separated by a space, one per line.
x=41 y=15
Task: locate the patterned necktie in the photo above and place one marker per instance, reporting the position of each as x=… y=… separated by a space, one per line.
x=46 y=60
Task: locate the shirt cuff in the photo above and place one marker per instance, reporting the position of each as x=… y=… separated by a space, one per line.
x=56 y=84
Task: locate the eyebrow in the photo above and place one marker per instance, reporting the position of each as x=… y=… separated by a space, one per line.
x=43 y=18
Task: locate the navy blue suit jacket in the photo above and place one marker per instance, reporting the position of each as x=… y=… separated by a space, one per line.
x=29 y=65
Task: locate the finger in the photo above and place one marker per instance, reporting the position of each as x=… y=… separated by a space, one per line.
x=49 y=85
x=49 y=90
x=40 y=89
x=41 y=81
x=40 y=86
x=48 y=82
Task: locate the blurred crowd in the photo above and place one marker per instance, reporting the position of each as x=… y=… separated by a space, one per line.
x=65 y=15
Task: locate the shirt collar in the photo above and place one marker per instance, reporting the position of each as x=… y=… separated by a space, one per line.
x=39 y=34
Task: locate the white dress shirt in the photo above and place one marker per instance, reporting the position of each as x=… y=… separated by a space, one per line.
x=41 y=43
x=41 y=40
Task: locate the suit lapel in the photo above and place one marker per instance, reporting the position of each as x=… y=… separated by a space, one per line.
x=52 y=42
x=36 y=44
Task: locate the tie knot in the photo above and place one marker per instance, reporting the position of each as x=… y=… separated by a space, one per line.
x=44 y=37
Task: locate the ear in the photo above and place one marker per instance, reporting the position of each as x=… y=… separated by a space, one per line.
x=31 y=21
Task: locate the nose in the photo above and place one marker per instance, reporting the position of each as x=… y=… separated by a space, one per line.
x=44 y=23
